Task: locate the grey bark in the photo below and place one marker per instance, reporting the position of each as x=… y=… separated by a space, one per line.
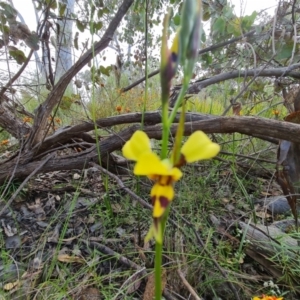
x=64 y=42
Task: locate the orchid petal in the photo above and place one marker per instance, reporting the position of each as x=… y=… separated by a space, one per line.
x=150 y=164
x=199 y=147
x=138 y=145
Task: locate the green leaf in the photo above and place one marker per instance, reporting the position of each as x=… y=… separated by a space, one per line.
x=9 y=11
x=51 y=4
x=76 y=40
x=176 y=20
x=106 y=10
x=61 y=8
x=18 y=56
x=95 y=27
x=93 y=71
x=219 y=25
x=81 y=26
x=207 y=58
x=234 y=26
x=32 y=41
x=105 y=71
x=203 y=37
x=3 y=19
x=66 y=103
x=102 y=11
x=4 y=29
x=206 y=16
x=286 y=51
x=248 y=21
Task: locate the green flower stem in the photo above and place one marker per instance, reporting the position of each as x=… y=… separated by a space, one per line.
x=158 y=257
x=166 y=129
x=179 y=100
x=157 y=266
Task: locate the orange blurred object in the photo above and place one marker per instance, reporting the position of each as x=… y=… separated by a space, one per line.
x=275 y=112
x=27 y=119
x=58 y=120
x=4 y=142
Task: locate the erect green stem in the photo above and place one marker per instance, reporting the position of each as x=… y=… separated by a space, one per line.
x=165 y=131
x=158 y=257
x=157 y=266
x=179 y=100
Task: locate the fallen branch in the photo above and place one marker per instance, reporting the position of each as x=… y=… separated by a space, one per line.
x=252 y=126
x=188 y=286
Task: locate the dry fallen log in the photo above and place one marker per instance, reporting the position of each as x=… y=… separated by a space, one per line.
x=268 y=245
x=270 y=130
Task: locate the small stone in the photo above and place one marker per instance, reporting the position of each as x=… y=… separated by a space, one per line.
x=76 y=176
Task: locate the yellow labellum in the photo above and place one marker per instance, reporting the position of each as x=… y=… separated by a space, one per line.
x=162 y=195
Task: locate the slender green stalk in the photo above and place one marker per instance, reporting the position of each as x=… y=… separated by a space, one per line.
x=158 y=258
x=157 y=265
x=166 y=129
x=179 y=100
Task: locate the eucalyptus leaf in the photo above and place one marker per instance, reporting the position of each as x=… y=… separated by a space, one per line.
x=9 y=11
x=80 y=25
x=61 y=9
x=105 y=70
x=18 y=55
x=32 y=41
x=76 y=40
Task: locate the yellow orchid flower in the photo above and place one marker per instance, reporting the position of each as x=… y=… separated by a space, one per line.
x=197 y=147
x=138 y=148
x=264 y=297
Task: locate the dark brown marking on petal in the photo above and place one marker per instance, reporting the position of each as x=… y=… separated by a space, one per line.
x=164 y=182
x=164 y=201
x=153 y=200
x=170 y=180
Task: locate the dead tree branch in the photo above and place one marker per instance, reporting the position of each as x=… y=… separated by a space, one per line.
x=252 y=126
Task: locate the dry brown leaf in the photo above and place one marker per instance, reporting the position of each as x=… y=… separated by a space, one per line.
x=262 y=214
x=69 y=259
x=89 y=294
x=266 y=194
x=9 y=286
x=150 y=287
